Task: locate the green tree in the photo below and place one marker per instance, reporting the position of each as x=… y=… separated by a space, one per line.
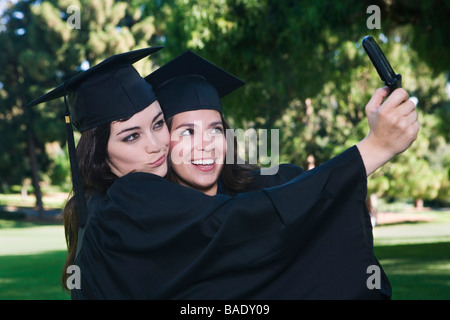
x=38 y=51
x=307 y=73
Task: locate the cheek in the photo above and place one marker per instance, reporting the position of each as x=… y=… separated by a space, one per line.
x=117 y=155
x=224 y=144
x=221 y=146
x=173 y=145
x=116 y=161
x=124 y=154
x=164 y=137
x=179 y=150
x=111 y=151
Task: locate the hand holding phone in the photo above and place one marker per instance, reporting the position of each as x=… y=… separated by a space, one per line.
x=381 y=64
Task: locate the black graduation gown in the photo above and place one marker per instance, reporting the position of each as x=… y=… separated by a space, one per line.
x=285 y=172
x=310 y=238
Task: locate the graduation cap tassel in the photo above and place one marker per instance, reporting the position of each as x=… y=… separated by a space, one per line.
x=77 y=182
x=128 y=93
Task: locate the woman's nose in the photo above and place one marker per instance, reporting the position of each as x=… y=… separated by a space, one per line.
x=152 y=144
x=204 y=142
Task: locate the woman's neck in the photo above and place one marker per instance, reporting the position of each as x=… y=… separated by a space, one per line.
x=209 y=190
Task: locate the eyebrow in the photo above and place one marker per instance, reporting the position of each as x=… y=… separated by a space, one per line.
x=156 y=117
x=138 y=127
x=128 y=129
x=191 y=125
x=213 y=124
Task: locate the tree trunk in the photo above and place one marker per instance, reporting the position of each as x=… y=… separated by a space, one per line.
x=419 y=204
x=35 y=174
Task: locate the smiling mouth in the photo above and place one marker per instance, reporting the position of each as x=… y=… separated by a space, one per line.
x=203 y=162
x=205 y=165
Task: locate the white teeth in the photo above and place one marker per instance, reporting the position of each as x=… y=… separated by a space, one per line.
x=203 y=162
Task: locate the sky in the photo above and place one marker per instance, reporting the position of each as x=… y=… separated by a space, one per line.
x=4 y=4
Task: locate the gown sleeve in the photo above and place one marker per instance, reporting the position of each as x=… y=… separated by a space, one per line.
x=148 y=238
x=285 y=172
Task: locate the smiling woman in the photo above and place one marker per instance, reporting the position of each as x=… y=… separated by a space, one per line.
x=198 y=149
x=148 y=238
x=189 y=89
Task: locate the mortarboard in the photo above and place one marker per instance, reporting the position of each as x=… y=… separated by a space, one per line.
x=190 y=82
x=109 y=91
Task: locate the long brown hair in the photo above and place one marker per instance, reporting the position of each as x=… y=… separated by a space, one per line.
x=92 y=158
x=236 y=176
x=96 y=174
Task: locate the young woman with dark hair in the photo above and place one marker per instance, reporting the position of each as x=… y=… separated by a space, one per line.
x=145 y=237
x=139 y=143
x=97 y=177
x=232 y=177
x=190 y=89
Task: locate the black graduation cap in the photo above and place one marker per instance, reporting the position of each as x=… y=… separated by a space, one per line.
x=109 y=91
x=190 y=82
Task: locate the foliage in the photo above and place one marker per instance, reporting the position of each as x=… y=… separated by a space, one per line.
x=38 y=51
x=306 y=73
x=6 y=215
x=59 y=168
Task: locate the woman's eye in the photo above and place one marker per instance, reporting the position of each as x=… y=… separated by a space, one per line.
x=159 y=124
x=217 y=130
x=187 y=132
x=131 y=137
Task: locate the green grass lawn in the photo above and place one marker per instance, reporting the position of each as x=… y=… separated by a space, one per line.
x=31 y=261
x=415 y=257
x=417 y=271
x=32 y=276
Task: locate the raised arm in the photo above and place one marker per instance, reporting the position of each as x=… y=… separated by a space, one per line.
x=393 y=127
